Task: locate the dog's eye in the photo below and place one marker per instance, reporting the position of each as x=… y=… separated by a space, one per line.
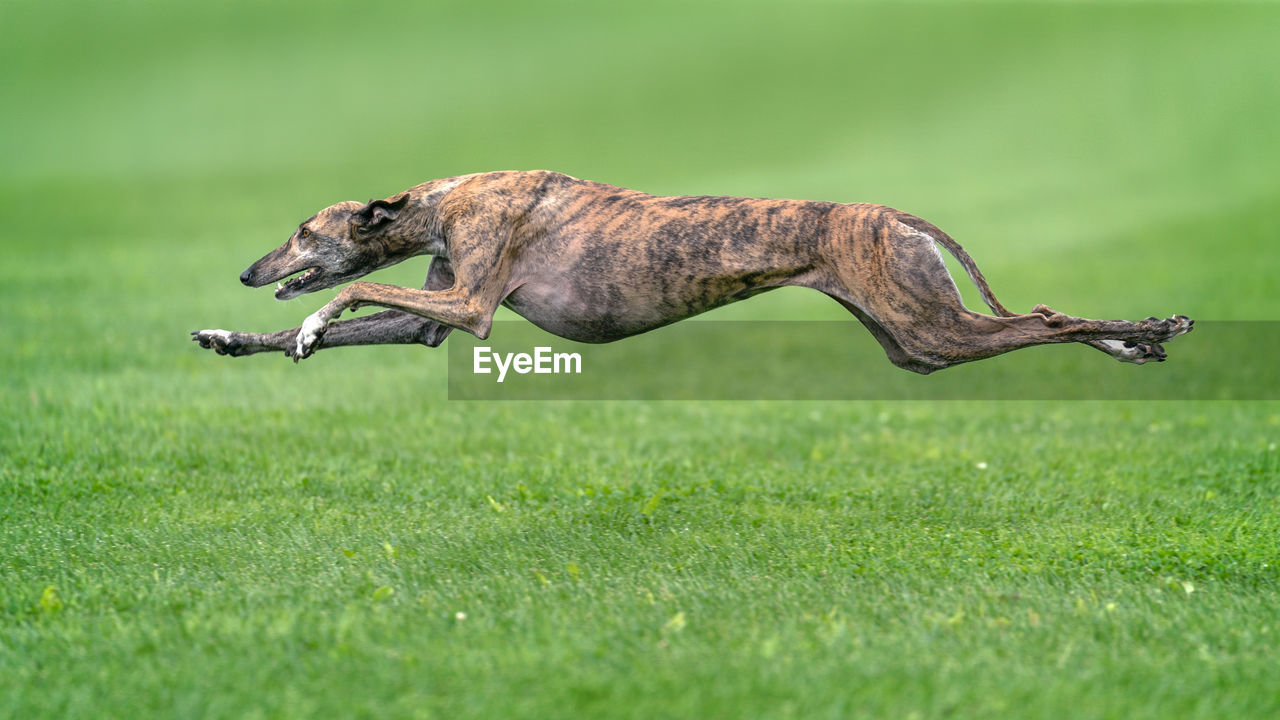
x=304 y=233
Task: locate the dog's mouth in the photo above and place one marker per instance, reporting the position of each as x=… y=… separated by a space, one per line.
x=298 y=285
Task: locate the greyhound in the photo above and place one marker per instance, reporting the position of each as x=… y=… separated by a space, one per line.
x=595 y=263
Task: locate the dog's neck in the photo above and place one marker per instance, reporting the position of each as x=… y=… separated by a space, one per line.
x=420 y=229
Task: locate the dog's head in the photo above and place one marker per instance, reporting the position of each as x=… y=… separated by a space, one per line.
x=340 y=243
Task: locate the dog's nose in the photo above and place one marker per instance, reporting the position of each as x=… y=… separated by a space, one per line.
x=245 y=276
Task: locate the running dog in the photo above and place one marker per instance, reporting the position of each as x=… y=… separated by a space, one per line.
x=595 y=263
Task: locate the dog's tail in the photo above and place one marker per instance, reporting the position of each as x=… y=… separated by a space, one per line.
x=953 y=247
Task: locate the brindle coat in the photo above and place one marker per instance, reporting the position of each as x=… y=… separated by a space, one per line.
x=594 y=263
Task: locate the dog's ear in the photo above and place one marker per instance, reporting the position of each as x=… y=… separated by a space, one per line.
x=379 y=213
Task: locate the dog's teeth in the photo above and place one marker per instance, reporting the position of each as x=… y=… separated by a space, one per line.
x=279 y=286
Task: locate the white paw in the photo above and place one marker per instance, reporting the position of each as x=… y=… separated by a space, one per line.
x=220 y=341
x=309 y=335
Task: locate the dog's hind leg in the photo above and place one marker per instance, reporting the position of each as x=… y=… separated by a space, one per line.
x=959 y=337
x=895 y=281
x=897 y=354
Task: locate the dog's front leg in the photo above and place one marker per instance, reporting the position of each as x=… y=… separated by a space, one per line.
x=389 y=327
x=239 y=344
x=455 y=308
x=480 y=263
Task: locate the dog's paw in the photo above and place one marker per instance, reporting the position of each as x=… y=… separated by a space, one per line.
x=222 y=342
x=309 y=336
x=1170 y=328
x=1181 y=325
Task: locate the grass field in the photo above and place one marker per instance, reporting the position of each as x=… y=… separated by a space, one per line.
x=184 y=535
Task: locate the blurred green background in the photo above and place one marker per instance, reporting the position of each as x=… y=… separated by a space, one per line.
x=1113 y=160
x=191 y=535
